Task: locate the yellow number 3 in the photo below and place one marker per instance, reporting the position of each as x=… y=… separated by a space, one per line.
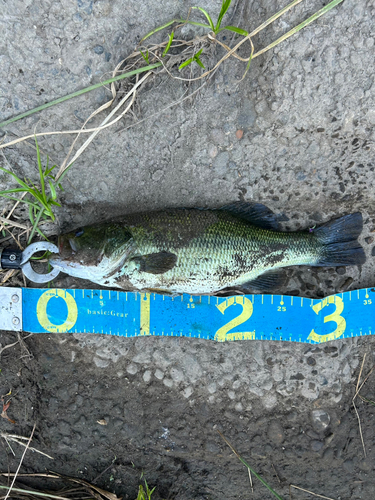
x=247 y=310
x=335 y=316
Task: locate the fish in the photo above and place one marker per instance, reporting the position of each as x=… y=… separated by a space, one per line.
x=203 y=251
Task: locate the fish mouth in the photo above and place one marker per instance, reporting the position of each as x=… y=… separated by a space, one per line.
x=67 y=248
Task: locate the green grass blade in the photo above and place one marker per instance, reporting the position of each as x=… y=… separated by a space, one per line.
x=45 y=171
x=15 y=190
x=171 y=36
x=162 y=27
x=64 y=174
x=53 y=190
x=198 y=61
x=224 y=7
x=35 y=226
x=186 y=63
x=80 y=92
x=251 y=469
x=20 y=182
x=40 y=169
x=309 y=20
x=48 y=171
x=20 y=200
x=248 y=65
x=207 y=16
x=145 y=56
x=240 y=31
x=53 y=202
x=183 y=21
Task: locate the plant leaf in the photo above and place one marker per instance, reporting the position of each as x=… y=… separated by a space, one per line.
x=40 y=168
x=171 y=36
x=145 y=56
x=53 y=190
x=207 y=16
x=15 y=177
x=224 y=7
x=197 y=60
x=240 y=31
x=186 y=63
x=15 y=190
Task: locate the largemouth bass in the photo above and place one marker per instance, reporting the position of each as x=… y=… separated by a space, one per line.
x=203 y=251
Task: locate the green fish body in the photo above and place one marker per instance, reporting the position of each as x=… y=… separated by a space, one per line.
x=202 y=251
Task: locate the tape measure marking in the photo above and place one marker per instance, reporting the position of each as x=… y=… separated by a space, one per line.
x=247 y=317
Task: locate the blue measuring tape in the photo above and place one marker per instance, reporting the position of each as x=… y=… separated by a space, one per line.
x=247 y=317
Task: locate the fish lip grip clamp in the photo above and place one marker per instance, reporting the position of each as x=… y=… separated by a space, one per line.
x=18 y=259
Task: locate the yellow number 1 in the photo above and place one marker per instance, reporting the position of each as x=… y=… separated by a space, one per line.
x=247 y=310
x=335 y=316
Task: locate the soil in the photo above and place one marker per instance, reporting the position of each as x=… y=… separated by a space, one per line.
x=298 y=135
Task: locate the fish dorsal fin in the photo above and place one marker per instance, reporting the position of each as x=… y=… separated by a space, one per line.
x=255 y=213
x=156 y=263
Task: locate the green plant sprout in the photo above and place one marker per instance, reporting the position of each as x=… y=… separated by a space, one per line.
x=166 y=50
x=194 y=58
x=145 y=494
x=39 y=200
x=145 y=56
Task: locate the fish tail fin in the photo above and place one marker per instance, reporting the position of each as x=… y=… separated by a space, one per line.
x=339 y=240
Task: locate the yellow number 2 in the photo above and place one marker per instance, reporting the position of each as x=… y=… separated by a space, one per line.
x=335 y=316
x=247 y=310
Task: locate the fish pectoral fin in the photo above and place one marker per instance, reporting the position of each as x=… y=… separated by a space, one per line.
x=257 y=214
x=266 y=281
x=156 y=263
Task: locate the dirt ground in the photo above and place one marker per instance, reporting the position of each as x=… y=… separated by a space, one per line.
x=306 y=112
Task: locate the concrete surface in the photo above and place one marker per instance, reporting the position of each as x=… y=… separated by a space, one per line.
x=307 y=112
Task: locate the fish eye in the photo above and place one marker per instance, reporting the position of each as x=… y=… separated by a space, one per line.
x=79 y=233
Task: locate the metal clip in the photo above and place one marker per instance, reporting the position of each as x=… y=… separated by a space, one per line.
x=25 y=265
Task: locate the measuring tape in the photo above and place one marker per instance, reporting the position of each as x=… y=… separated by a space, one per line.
x=241 y=317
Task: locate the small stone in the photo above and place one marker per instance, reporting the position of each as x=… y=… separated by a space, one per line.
x=101 y=363
x=177 y=375
x=168 y=382
x=369 y=239
x=211 y=387
x=132 y=369
x=187 y=392
x=239 y=134
x=212 y=150
x=373 y=252
x=238 y=407
x=276 y=433
x=348 y=466
x=316 y=445
x=159 y=374
x=147 y=376
x=341 y=270
x=157 y=175
x=98 y=49
x=320 y=420
x=311 y=361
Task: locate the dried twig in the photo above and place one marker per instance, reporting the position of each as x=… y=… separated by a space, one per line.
x=311 y=493
x=354 y=406
x=18 y=440
x=19 y=465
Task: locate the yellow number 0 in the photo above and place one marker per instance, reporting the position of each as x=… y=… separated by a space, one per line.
x=247 y=310
x=335 y=316
x=41 y=311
